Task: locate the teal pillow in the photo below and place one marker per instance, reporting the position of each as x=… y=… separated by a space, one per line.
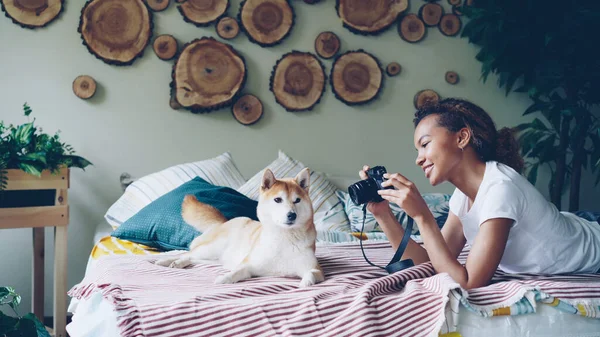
x=161 y=226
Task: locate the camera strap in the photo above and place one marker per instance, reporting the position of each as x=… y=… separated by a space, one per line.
x=395 y=264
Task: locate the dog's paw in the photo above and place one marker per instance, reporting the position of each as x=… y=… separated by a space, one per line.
x=180 y=263
x=166 y=262
x=308 y=280
x=224 y=279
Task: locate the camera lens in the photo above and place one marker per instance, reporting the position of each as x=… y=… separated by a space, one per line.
x=363 y=191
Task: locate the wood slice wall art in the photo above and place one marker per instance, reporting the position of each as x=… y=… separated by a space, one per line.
x=266 y=22
x=450 y=24
x=369 y=16
x=203 y=12
x=228 y=28
x=393 y=69
x=431 y=14
x=451 y=77
x=84 y=86
x=247 y=110
x=298 y=81
x=425 y=96
x=327 y=44
x=32 y=13
x=165 y=46
x=411 y=28
x=207 y=75
x=116 y=31
x=356 y=77
x=158 y=5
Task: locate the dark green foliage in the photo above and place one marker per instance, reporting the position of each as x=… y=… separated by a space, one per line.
x=26 y=326
x=27 y=148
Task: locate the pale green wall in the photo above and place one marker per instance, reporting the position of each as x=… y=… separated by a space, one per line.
x=128 y=125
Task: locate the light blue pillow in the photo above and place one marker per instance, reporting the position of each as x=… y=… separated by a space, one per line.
x=437 y=203
x=160 y=224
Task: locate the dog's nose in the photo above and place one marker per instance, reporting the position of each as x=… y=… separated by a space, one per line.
x=291 y=216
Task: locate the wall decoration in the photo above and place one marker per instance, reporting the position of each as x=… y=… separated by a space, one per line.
x=393 y=69
x=450 y=24
x=369 y=16
x=356 y=77
x=247 y=110
x=84 y=86
x=454 y=2
x=158 y=5
x=451 y=77
x=431 y=13
x=165 y=46
x=266 y=22
x=207 y=75
x=202 y=13
x=411 y=28
x=228 y=28
x=425 y=96
x=32 y=13
x=327 y=44
x=298 y=81
x=116 y=31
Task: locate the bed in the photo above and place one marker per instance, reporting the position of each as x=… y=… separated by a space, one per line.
x=124 y=294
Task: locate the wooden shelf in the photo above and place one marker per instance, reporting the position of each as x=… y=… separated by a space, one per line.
x=38 y=217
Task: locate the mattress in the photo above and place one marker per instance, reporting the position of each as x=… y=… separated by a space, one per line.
x=96 y=315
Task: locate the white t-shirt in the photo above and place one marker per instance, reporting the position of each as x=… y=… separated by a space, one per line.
x=542 y=239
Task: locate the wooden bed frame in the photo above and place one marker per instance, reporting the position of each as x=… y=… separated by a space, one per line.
x=38 y=218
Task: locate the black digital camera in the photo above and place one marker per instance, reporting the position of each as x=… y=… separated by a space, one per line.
x=366 y=190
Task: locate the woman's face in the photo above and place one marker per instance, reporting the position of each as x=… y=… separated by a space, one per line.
x=438 y=150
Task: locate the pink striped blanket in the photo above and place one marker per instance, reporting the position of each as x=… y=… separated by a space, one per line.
x=355 y=299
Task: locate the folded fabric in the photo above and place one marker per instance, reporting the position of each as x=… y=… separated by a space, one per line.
x=160 y=224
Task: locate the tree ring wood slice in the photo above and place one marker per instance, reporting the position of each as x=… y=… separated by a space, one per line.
x=32 y=13
x=116 y=31
x=356 y=77
x=450 y=24
x=84 y=86
x=207 y=75
x=298 y=81
x=327 y=44
x=228 y=28
x=203 y=12
x=165 y=46
x=369 y=16
x=455 y=2
x=425 y=96
x=393 y=69
x=451 y=77
x=431 y=14
x=411 y=28
x=266 y=22
x=248 y=109
x=158 y=5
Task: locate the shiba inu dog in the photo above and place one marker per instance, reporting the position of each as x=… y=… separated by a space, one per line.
x=281 y=243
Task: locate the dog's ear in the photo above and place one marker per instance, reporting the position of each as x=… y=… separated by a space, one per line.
x=303 y=179
x=268 y=180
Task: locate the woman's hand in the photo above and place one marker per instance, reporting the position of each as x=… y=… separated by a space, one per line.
x=376 y=208
x=405 y=194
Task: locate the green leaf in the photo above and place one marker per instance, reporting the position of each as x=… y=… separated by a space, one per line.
x=523 y=126
x=33 y=157
x=5 y=292
x=15 y=302
x=26 y=109
x=7 y=323
x=538 y=125
x=23 y=134
x=24 y=328
x=31 y=169
x=77 y=161
x=39 y=326
x=535 y=107
x=532 y=175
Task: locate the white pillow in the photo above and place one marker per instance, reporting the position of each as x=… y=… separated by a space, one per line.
x=329 y=211
x=220 y=170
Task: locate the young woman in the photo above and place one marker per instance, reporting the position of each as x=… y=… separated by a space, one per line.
x=504 y=218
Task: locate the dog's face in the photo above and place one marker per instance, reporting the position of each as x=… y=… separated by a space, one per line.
x=285 y=202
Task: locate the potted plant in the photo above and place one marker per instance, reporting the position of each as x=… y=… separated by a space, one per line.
x=544 y=50
x=26 y=148
x=27 y=325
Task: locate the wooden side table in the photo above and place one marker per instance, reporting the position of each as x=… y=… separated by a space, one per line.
x=38 y=217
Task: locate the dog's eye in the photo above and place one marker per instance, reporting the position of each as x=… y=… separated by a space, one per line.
x=278 y=200
x=297 y=200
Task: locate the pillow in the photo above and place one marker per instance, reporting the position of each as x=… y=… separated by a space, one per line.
x=329 y=211
x=160 y=225
x=437 y=203
x=220 y=171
